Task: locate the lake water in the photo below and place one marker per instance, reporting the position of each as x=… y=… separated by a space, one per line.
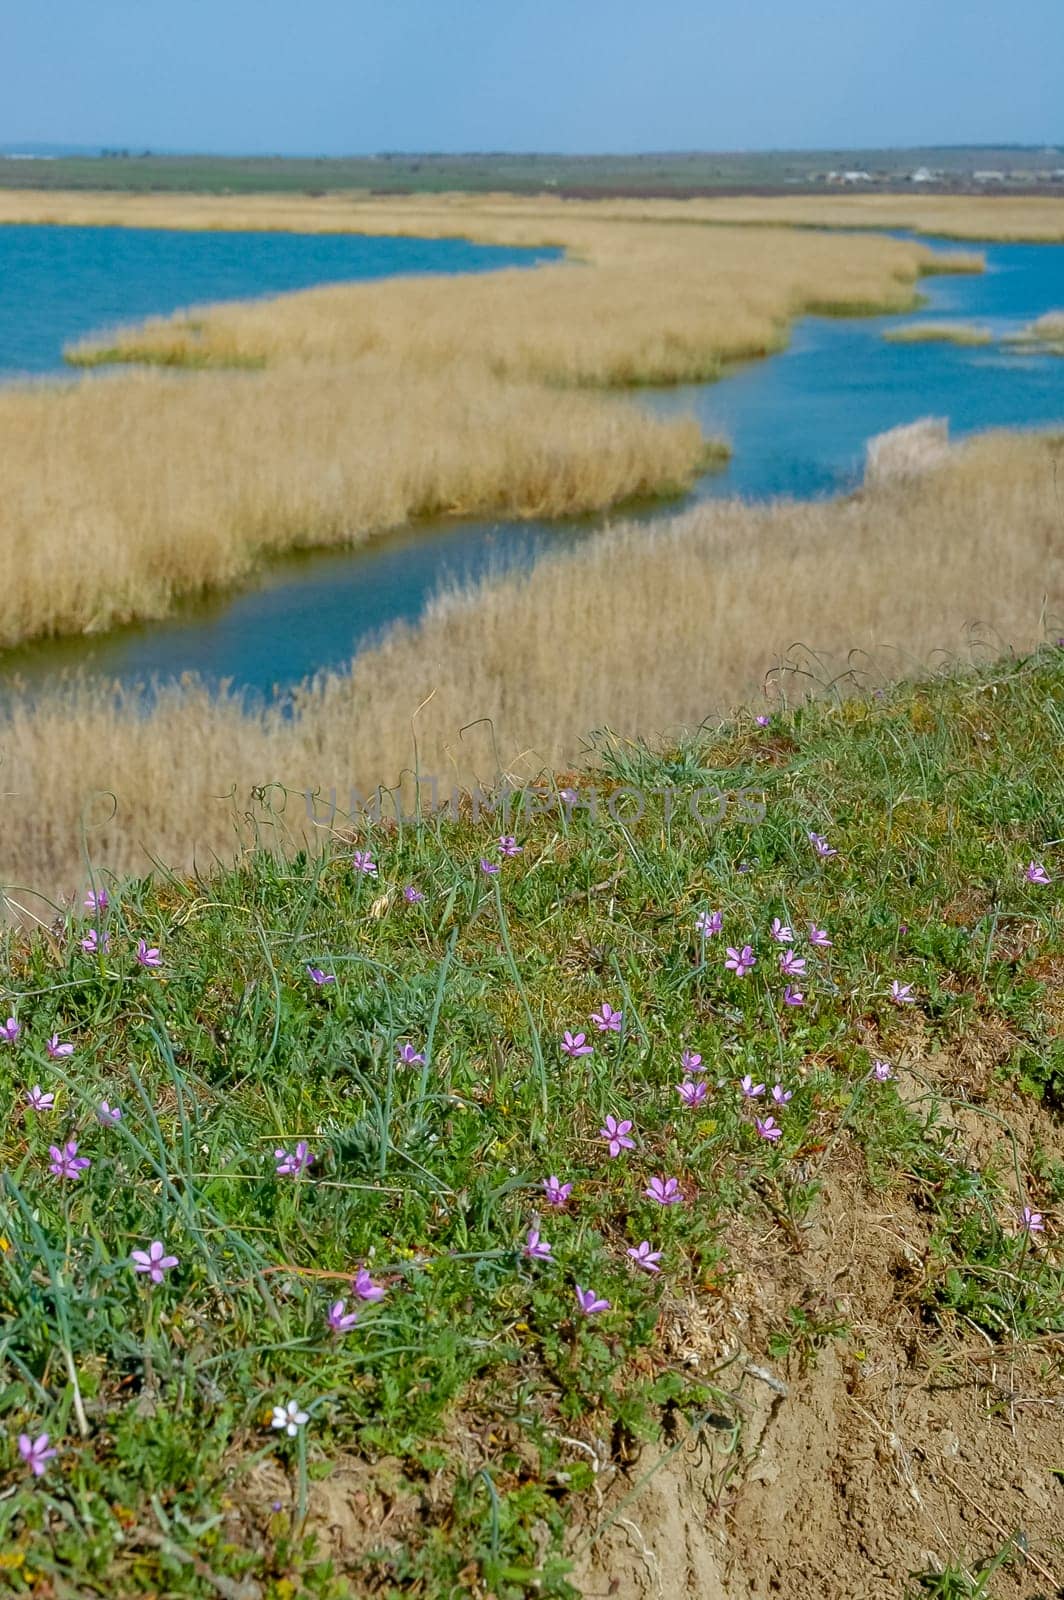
x=798 y=423
x=58 y=284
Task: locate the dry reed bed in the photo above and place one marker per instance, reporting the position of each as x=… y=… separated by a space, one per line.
x=357 y=407
x=644 y=632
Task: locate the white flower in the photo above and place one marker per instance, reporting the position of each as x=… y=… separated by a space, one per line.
x=289 y=1418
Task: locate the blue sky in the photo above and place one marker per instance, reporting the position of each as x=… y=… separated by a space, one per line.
x=335 y=76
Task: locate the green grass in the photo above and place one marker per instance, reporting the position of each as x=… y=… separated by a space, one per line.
x=462 y=1383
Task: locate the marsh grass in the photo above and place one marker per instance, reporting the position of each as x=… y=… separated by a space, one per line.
x=468 y=1401
x=962 y=333
x=639 y=631
x=327 y=416
x=1045 y=334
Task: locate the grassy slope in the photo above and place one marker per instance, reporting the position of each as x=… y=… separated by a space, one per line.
x=463 y=1381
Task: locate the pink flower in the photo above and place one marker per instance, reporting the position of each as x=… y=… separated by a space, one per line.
x=10 y=1031
x=148 y=955
x=902 y=993
x=1036 y=873
x=762 y=721
x=691 y=1062
x=589 y=1302
x=792 y=965
x=819 y=937
x=154 y=1261
x=292 y=1163
x=409 y=1057
x=319 y=977
x=110 y=1116
x=568 y=797
x=508 y=845
x=740 y=961
x=1031 y=1221
x=750 y=1089
x=536 y=1247
x=96 y=900
x=575 y=1044
x=37 y=1100
x=665 y=1191
x=35 y=1453
x=821 y=846
x=65 y=1162
x=692 y=1094
x=793 y=996
x=707 y=923
x=643 y=1256
x=781 y=932
x=341 y=1320
x=766 y=1127
x=607 y=1020
x=616 y=1135
x=96 y=940
x=556 y=1194
x=782 y=1096
x=57 y=1050
x=364 y=1286
x=362 y=861
x=412 y=895
x=489 y=868
x=882 y=1071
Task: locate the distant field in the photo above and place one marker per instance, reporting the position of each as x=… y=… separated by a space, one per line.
x=666 y=174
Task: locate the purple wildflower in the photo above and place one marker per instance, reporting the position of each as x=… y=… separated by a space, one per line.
x=1036 y=873
x=57 y=1050
x=1031 y=1221
x=341 y=1320
x=575 y=1044
x=292 y=1163
x=820 y=845
x=95 y=940
x=154 y=1261
x=782 y=1096
x=362 y=861
x=109 y=1115
x=607 y=1020
x=364 y=1286
x=148 y=955
x=96 y=900
x=882 y=1071
x=692 y=1094
x=793 y=996
x=792 y=965
x=902 y=993
x=319 y=977
x=65 y=1162
x=10 y=1031
x=409 y=1057
x=616 y=1135
x=766 y=1127
x=508 y=846
x=489 y=868
x=556 y=1194
x=37 y=1100
x=412 y=895
x=643 y=1256
x=762 y=721
x=536 y=1247
x=750 y=1089
x=691 y=1062
x=589 y=1302
x=35 y=1453
x=665 y=1191
x=568 y=797
x=819 y=937
x=707 y=923
x=740 y=961
x=781 y=932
